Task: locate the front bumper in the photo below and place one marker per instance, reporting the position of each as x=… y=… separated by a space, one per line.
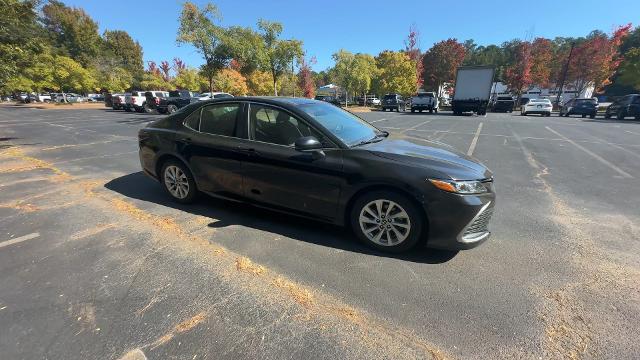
x=582 y=111
x=459 y=222
x=421 y=106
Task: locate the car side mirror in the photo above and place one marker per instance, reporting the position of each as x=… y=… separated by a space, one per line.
x=309 y=144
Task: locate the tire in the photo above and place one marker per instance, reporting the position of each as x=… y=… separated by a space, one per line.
x=146 y=108
x=420 y=110
x=592 y=116
x=171 y=109
x=364 y=220
x=523 y=114
x=430 y=111
x=435 y=110
x=398 y=109
x=414 y=110
x=184 y=191
x=607 y=116
x=620 y=115
x=127 y=109
x=584 y=116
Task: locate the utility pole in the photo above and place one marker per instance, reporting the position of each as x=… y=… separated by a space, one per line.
x=564 y=74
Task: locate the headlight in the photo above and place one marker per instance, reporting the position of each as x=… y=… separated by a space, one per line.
x=460 y=187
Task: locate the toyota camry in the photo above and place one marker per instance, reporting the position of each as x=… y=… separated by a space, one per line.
x=312 y=159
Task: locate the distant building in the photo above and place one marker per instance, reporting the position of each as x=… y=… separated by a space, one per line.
x=569 y=92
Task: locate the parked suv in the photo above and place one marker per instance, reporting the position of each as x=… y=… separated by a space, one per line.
x=503 y=104
x=626 y=106
x=393 y=102
x=136 y=101
x=585 y=107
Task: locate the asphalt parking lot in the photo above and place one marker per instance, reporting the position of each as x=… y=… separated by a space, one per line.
x=97 y=262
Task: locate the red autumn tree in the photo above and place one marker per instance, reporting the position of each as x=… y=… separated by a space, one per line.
x=165 y=68
x=595 y=60
x=178 y=65
x=152 y=68
x=305 y=77
x=541 y=60
x=518 y=75
x=411 y=47
x=440 y=63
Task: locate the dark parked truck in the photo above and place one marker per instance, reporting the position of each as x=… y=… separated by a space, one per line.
x=177 y=99
x=473 y=89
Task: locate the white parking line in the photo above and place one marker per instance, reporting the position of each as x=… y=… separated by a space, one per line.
x=375 y=121
x=19 y=239
x=631 y=132
x=474 y=142
x=594 y=155
x=417 y=126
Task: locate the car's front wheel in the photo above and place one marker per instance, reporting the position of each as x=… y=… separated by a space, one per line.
x=386 y=221
x=178 y=182
x=171 y=109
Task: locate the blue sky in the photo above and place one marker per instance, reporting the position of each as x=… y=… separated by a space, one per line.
x=366 y=26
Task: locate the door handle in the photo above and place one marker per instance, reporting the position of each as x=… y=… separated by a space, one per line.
x=247 y=150
x=186 y=140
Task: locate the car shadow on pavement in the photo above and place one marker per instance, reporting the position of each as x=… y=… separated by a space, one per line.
x=226 y=213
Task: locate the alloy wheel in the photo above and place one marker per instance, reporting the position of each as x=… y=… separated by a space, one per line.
x=176 y=182
x=384 y=222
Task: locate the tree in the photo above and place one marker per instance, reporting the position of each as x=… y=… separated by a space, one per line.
x=230 y=81
x=117 y=79
x=541 y=58
x=630 y=69
x=18 y=22
x=595 y=60
x=165 y=70
x=126 y=51
x=260 y=83
x=411 y=47
x=278 y=54
x=305 y=77
x=246 y=47
x=73 y=31
x=441 y=62
x=69 y=75
x=518 y=76
x=395 y=73
x=155 y=81
x=189 y=79
x=198 y=28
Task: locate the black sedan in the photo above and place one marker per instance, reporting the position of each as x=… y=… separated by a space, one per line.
x=313 y=159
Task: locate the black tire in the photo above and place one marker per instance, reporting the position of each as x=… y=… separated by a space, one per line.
x=607 y=116
x=192 y=192
x=592 y=116
x=414 y=110
x=435 y=110
x=430 y=111
x=584 y=116
x=420 y=110
x=171 y=109
x=127 y=109
x=397 y=108
x=620 y=115
x=416 y=220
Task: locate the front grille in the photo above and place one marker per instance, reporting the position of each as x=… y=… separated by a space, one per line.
x=480 y=224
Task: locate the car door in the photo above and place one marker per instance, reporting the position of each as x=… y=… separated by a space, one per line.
x=277 y=175
x=634 y=107
x=208 y=141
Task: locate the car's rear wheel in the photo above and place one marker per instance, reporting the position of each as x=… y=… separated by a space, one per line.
x=386 y=221
x=178 y=182
x=171 y=109
x=127 y=109
x=592 y=116
x=607 y=116
x=620 y=115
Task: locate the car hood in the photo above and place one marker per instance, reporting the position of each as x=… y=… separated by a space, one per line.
x=436 y=156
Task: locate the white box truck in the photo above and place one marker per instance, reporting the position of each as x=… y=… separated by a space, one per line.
x=473 y=89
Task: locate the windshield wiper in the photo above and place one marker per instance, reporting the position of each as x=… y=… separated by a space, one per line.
x=374 y=139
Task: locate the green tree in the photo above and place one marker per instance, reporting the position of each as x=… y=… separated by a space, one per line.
x=72 y=31
x=278 y=54
x=355 y=73
x=126 y=51
x=189 y=79
x=396 y=73
x=69 y=75
x=629 y=72
x=20 y=41
x=260 y=83
x=247 y=48
x=154 y=81
x=117 y=79
x=198 y=28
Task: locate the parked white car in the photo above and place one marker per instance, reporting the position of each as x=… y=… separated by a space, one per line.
x=136 y=100
x=42 y=97
x=541 y=107
x=213 y=95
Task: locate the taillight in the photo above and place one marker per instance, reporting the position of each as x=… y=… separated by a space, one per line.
x=157 y=101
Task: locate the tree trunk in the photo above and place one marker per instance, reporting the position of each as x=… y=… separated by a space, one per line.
x=275 y=86
x=211 y=84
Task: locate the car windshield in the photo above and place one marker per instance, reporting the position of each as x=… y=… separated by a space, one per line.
x=584 y=101
x=541 y=101
x=422 y=95
x=344 y=125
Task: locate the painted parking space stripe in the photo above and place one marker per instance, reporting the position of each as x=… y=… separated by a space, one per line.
x=474 y=142
x=19 y=239
x=592 y=154
x=417 y=126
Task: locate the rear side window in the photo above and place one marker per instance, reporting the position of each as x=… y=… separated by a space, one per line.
x=219 y=119
x=174 y=93
x=193 y=120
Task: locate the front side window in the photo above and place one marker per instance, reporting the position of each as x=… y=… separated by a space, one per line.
x=219 y=119
x=193 y=120
x=343 y=124
x=276 y=126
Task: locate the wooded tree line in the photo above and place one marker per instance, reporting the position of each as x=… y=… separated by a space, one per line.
x=51 y=46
